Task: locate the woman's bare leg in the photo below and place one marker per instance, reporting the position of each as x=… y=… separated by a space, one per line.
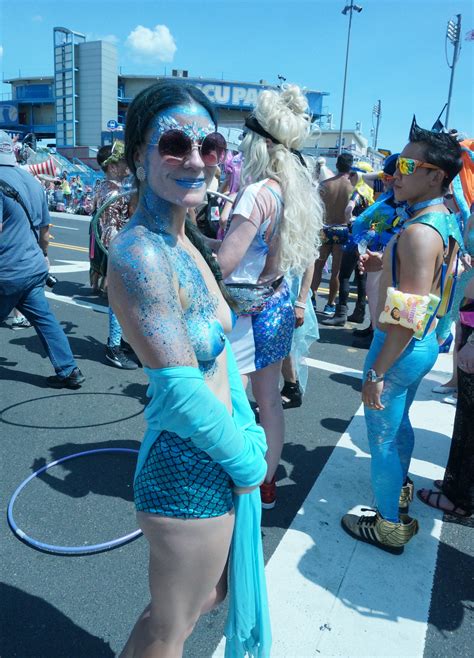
x=288 y=370
x=218 y=594
x=186 y=574
x=266 y=391
x=131 y=649
x=324 y=253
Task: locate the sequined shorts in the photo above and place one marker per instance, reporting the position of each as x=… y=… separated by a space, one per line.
x=265 y=338
x=181 y=481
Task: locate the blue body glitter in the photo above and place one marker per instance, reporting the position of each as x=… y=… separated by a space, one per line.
x=162 y=284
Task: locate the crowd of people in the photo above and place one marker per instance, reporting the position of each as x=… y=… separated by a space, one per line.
x=68 y=193
x=61 y=180
x=211 y=302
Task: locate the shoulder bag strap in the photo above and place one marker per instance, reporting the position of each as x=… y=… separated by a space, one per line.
x=395 y=282
x=10 y=192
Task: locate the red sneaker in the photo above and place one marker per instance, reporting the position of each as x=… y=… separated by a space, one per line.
x=268 y=494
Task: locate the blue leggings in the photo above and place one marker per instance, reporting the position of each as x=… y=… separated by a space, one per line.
x=115 y=330
x=390 y=434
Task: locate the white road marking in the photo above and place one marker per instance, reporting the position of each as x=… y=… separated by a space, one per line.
x=443 y=364
x=67 y=215
x=330 y=595
x=332 y=367
x=76 y=302
x=67 y=228
x=70 y=266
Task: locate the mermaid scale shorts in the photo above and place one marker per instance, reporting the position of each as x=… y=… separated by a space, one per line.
x=181 y=481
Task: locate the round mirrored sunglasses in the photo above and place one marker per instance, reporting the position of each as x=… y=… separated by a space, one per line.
x=176 y=145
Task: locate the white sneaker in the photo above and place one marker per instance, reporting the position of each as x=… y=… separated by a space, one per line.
x=20 y=322
x=451 y=399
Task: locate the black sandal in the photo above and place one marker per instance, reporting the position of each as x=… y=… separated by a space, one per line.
x=432 y=499
x=293 y=394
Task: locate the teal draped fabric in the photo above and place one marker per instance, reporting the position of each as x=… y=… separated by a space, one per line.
x=247 y=628
x=182 y=403
x=304 y=336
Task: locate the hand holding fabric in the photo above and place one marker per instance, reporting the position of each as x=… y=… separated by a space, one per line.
x=182 y=403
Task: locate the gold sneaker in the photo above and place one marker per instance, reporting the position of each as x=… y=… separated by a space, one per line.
x=406 y=496
x=375 y=530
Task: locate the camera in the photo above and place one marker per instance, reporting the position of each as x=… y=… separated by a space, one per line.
x=51 y=281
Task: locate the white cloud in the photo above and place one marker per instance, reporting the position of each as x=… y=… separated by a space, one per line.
x=1 y=51
x=110 y=38
x=37 y=19
x=158 y=42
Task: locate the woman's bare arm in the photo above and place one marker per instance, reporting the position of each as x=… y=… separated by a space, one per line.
x=143 y=292
x=233 y=248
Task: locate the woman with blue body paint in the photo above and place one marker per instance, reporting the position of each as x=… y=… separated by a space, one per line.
x=202 y=457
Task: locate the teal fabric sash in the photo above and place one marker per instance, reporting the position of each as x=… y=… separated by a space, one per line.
x=247 y=629
x=182 y=403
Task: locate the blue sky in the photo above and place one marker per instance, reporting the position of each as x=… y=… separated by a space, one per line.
x=397 y=49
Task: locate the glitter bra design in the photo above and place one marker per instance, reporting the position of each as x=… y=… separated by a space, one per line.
x=207 y=338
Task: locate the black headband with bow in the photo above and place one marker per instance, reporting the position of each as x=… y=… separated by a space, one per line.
x=252 y=124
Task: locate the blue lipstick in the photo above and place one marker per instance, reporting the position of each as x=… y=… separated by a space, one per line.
x=190 y=183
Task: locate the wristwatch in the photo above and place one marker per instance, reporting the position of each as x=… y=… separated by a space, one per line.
x=372 y=377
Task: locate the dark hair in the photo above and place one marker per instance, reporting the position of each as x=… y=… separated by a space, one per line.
x=102 y=154
x=439 y=149
x=344 y=163
x=144 y=107
x=196 y=238
x=148 y=103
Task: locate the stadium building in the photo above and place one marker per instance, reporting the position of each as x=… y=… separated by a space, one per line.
x=85 y=102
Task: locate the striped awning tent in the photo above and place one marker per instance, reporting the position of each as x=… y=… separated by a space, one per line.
x=48 y=168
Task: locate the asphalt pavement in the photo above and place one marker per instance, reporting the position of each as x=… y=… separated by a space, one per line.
x=57 y=606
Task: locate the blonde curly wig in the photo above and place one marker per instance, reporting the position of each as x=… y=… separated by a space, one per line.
x=284 y=115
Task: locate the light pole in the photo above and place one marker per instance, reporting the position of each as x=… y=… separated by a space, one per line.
x=347 y=9
x=377 y=112
x=453 y=34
